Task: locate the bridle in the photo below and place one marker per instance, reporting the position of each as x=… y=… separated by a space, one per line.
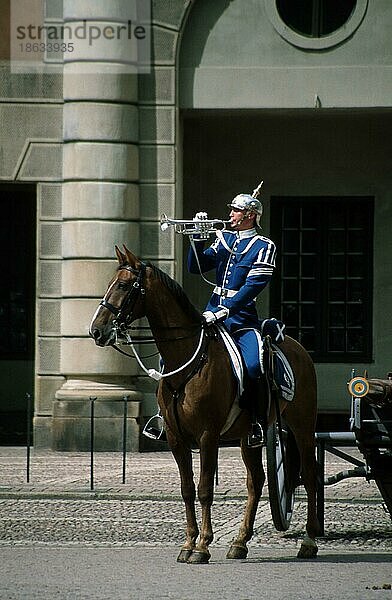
x=124 y=313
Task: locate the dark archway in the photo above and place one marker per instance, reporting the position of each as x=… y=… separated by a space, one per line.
x=17 y=307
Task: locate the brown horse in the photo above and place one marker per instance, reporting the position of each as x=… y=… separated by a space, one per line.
x=196 y=397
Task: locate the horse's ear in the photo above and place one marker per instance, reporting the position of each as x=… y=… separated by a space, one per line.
x=131 y=259
x=122 y=259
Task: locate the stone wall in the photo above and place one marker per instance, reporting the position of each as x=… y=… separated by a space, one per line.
x=119 y=175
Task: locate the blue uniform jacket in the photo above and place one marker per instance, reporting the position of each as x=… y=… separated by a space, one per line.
x=240 y=274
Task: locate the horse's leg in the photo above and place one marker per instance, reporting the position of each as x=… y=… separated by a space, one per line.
x=208 y=463
x=183 y=458
x=300 y=415
x=306 y=447
x=252 y=458
x=309 y=477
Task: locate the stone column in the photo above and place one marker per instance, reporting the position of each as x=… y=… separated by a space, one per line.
x=100 y=209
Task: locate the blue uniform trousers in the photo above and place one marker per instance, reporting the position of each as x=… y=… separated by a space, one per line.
x=250 y=344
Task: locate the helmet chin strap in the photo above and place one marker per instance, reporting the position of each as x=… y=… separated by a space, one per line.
x=246 y=214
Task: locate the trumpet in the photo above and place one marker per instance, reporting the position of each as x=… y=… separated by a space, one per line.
x=203 y=228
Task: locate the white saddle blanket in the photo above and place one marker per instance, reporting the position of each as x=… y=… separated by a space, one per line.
x=238 y=370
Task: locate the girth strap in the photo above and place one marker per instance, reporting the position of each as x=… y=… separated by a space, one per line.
x=177 y=392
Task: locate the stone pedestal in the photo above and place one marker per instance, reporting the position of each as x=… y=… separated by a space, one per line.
x=72 y=422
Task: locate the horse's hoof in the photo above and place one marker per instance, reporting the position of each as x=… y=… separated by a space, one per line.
x=307 y=551
x=184 y=555
x=198 y=557
x=240 y=552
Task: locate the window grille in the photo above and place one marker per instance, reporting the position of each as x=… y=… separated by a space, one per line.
x=322 y=289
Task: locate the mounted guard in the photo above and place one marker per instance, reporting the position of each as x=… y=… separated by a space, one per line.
x=244 y=262
x=197 y=393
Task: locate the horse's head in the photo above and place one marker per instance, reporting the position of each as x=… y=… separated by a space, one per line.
x=123 y=301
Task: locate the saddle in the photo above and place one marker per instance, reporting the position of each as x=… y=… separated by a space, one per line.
x=282 y=372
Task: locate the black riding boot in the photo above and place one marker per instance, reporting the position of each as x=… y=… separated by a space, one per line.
x=256 y=402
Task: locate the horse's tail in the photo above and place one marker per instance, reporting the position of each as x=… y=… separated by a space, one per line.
x=293 y=461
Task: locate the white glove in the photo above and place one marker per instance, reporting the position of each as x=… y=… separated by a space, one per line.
x=218 y=315
x=200 y=216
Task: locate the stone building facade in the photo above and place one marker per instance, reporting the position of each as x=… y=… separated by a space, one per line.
x=238 y=91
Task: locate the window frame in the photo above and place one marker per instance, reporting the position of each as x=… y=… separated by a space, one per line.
x=316 y=43
x=322 y=322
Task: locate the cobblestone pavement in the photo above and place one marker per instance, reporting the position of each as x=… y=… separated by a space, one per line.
x=60 y=539
x=59 y=506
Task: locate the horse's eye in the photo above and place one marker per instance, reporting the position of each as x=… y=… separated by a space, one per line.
x=122 y=285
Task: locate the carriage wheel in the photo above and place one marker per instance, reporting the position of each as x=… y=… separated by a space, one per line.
x=381 y=468
x=281 y=497
x=385 y=488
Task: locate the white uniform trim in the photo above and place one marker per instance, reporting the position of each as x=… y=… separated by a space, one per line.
x=267 y=255
x=265 y=270
x=261 y=348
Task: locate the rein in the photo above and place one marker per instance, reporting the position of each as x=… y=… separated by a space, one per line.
x=123 y=318
x=153 y=373
x=148 y=339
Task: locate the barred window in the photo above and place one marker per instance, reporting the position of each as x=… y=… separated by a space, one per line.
x=322 y=289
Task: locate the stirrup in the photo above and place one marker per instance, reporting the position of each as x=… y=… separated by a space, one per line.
x=256 y=436
x=155 y=431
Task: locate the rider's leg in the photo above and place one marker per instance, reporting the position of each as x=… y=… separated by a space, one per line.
x=258 y=411
x=251 y=347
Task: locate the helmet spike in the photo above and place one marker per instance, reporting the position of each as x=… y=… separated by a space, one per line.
x=256 y=191
x=249 y=203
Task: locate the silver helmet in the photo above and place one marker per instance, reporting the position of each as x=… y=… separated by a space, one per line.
x=247 y=203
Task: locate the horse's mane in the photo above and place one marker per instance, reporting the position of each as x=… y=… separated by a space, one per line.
x=176 y=290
